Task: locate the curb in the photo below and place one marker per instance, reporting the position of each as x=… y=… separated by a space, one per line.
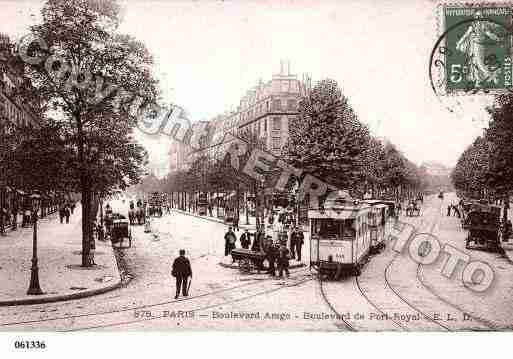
x=63 y=297
x=235 y=266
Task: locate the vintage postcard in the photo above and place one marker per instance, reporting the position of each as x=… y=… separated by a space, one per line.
x=255 y=166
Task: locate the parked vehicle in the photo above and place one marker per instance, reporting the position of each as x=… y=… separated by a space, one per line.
x=483 y=225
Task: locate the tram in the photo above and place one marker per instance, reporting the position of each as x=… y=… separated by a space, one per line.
x=340 y=237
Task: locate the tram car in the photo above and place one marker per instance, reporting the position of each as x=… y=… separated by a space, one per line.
x=340 y=237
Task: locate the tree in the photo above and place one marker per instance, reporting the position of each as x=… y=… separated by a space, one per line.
x=326 y=139
x=82 y=35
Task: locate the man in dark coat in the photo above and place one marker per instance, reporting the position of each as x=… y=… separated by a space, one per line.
x=245 y=240
x=229 y=241
x=297 y=240
x=283 y=260
x=181 y=271
x=272 y=256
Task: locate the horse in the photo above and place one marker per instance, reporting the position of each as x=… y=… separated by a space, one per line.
x=132 y=215
x=140 y=216
x=410 y=209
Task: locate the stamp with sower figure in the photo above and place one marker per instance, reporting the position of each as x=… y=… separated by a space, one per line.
x=473 y=52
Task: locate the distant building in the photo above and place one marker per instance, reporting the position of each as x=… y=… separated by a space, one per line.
x=12 y=108
x=266 y=110
x=437 y=169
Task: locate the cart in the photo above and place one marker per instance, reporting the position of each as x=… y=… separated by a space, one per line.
x=120 y=232
x=248 y=260
x=483 y=225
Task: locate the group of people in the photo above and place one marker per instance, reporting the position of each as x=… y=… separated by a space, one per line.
x=454 y=209
x=65 y=211
x=276 y=251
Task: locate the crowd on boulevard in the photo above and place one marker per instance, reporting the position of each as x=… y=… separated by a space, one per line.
x=279 y=246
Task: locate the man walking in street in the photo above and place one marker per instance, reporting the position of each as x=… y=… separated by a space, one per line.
x=61 y=213
x=67 y=213
x=181 y=271
x=245 y=240
x=449 y=210
x=229 y=241
x=272 y=256
x=283 y=260
x=297 y=240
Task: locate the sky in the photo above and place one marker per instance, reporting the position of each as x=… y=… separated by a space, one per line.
x=209 y=53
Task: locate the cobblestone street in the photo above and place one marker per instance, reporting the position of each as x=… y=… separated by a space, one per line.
x=415 y=298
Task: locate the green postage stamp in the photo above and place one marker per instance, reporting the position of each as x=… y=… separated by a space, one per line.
x=474 y=49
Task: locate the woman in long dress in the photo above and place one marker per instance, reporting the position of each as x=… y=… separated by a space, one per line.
x=479 y=37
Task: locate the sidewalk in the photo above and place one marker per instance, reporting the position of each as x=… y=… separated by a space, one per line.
x=59 y=253
x=242 y=222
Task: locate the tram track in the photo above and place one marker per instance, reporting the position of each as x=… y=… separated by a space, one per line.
x=195 y=309
x=358 y=288
x=144 y=306
x=400 y=296
x=485 y=322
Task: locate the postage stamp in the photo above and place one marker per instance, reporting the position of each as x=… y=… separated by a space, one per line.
x=473 y=52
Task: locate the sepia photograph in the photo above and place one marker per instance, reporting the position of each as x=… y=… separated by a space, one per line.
x=255 y=166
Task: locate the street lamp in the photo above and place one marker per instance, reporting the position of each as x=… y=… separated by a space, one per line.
x=34 y=288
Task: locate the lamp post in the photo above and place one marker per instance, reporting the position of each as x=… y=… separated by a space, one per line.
x=34 y=288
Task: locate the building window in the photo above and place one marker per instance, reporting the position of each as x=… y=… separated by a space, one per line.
x=267 y=106
x=277 y=105
x=265 y=124
x=291 y=105
x=276 y=123
x=276 y=143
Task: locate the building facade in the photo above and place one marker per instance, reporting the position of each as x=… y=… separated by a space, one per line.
x=266 y=110
x=12 y=109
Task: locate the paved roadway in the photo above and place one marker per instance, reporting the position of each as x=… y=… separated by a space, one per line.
x=390 y=283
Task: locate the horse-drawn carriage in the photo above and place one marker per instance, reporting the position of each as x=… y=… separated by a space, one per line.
x=120 y=232
x=413 y=209
x=155 y=203
x=483 y=225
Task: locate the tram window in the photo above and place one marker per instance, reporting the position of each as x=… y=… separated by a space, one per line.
x=326 y=228
x=348 y=231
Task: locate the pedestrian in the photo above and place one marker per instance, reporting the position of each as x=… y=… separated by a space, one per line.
x=245 y=240
x=236 y=222
x=181 y=271
x=72 y=207
x=26 y=218
x=299 y=240
x=92 y=248
x=456 y=211
x=449 y=210
x=292 y=245
x=255 y=247
x=272 y=256
x=283 y=260
x=67 y=213
x=3 y=220
x=61 y=213
x=229 y=241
